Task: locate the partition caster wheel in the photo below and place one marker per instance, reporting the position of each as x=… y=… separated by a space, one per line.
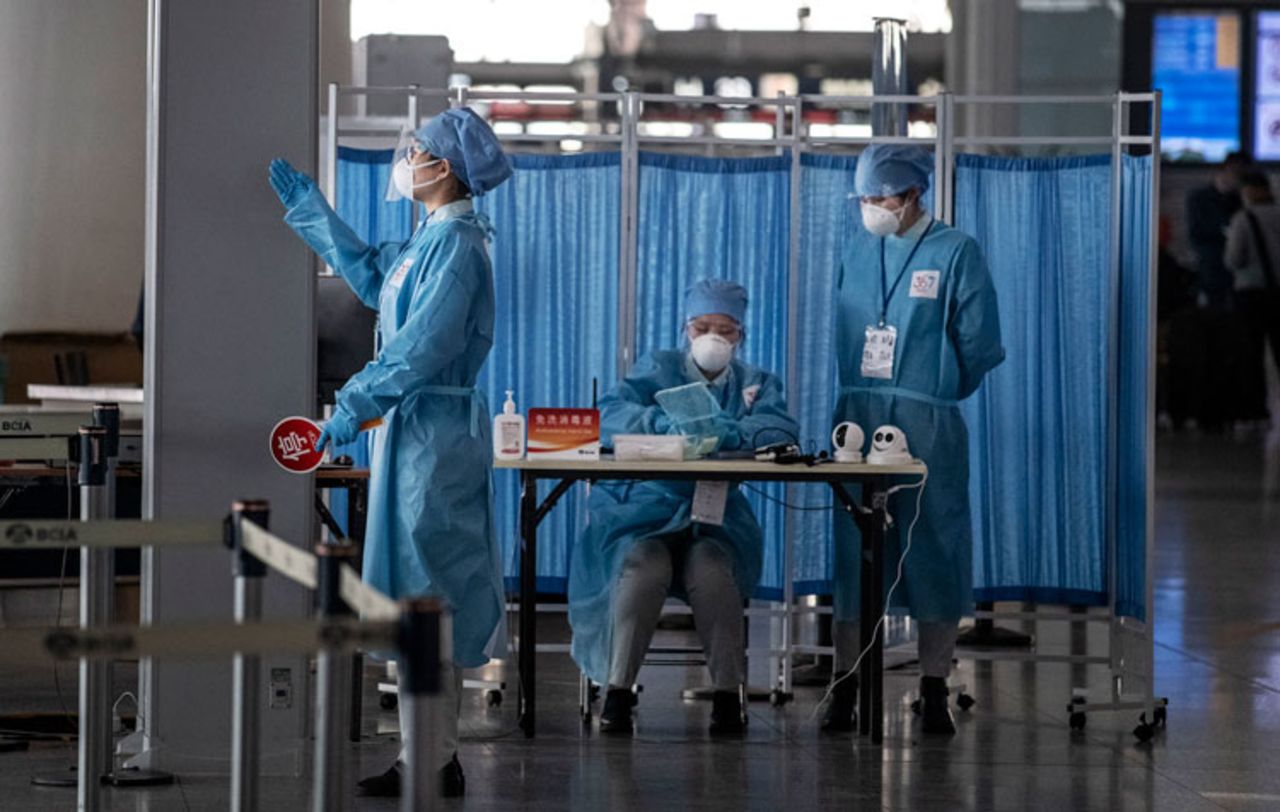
x=778 y=698
x=1160 y=717
x=1078 y=720
x=388 y=702
x=964 y=702
x=1144 y=732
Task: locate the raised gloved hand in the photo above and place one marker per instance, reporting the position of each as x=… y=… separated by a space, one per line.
x=290 y=184
x=340 y=429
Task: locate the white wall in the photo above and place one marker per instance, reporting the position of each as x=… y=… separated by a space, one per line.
x=72 y=147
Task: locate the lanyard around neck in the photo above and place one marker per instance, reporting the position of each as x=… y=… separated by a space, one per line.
x=887 y=295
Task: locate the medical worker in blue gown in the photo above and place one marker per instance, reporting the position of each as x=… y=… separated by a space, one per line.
x=923 y=287
x=642 y=544
x=430 y=529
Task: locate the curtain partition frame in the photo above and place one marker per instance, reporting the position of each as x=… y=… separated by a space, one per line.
x=1115 y=659
x=945 y=142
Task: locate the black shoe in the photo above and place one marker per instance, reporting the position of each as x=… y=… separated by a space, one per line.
x=453 y=784
x=616 y=716
x=726 y=714
x=936 y=709
x=386 y=785
x=842 y=709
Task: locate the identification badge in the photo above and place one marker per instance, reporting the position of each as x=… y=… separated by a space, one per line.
x=878 y=352
x=397 y=278
x=924 y=284
x=709 y=500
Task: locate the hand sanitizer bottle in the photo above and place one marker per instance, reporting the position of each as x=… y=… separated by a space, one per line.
x=508 y=432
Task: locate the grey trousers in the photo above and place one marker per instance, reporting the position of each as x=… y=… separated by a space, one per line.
x=937 y=647
x=447 y=734
x=706 y=573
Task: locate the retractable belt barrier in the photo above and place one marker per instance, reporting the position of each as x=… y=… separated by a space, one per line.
x=415 y=630
x=196 y=640
x=40 y=534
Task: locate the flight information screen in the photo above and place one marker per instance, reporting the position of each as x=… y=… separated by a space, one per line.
x=1266 y=88
x=1196 y=63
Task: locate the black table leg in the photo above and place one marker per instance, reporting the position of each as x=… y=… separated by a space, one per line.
x=870 y=523
x=875 y=496
x=867 y=615
x=528 y=601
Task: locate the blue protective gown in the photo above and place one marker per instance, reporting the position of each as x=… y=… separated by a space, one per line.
x=430 y=529
x=948 y=339
x=620 y=513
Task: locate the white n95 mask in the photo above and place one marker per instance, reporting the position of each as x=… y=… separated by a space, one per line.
x=881 y=221
x=402 y=177
x=711 y=352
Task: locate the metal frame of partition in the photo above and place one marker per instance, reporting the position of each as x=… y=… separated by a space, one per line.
x=790 y=138
x=1122 y=666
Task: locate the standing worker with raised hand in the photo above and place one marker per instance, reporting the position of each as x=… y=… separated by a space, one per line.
x=920 y=290
x=430 y=528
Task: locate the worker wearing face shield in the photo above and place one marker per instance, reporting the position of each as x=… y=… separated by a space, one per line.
x=642 y=542
x=917 y=329
x=430 y=530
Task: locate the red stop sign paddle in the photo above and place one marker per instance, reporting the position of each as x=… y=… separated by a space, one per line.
x=293 y=445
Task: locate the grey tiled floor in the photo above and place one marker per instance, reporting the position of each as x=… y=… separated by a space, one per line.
x=1217 y=659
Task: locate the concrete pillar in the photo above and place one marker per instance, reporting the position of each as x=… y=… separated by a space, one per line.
x=983 y=59
x=229 y=344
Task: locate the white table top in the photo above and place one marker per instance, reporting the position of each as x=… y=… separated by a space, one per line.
x=610 y=468
x=85 y=394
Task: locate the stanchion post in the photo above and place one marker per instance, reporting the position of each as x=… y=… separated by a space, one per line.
x=246 y=676
x=97 y=580
x=107 y=416
x=333 y=675
x=423 y=628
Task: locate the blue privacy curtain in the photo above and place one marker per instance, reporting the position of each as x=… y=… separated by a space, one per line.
x=362 y=180
x=555 y=265
x=1134 y=404
x=719 y=217
x=825 y=224
x=1039 y=427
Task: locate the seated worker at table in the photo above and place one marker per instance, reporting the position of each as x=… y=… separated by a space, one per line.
x=641 y=543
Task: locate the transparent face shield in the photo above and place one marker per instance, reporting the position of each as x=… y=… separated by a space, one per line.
x=409 y=157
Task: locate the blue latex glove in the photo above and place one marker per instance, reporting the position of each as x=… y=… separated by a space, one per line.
x=340 y=429
x=290 y=184
x=726 y=428
x=661 y=422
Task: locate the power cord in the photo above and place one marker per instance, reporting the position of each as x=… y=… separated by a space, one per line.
x=888 y=598
x=784 y=503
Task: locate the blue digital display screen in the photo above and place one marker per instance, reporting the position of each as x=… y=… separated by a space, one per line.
x=1196 y=63
x=1266 y=87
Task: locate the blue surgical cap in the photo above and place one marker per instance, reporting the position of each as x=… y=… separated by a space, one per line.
x=467 y=142
x=891 y=169
x=716 y=296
